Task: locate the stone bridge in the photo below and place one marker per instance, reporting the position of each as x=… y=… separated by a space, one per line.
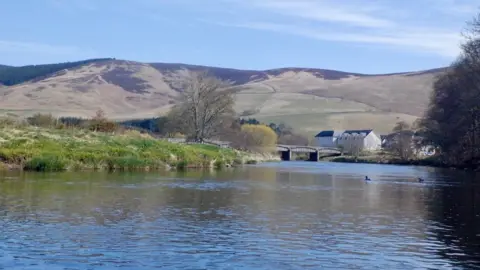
x=315 y=152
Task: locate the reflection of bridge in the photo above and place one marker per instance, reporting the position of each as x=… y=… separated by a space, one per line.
x=315 y=152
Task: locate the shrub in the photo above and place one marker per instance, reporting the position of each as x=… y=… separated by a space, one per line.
x=47 y=163
x=42 y=120
x=259 y=137
x=7 y=121
x=237 y=161
x=101 y=124
x=181 y=165
x=219 y=164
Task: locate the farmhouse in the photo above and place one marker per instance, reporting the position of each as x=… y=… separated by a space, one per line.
x=351 y=141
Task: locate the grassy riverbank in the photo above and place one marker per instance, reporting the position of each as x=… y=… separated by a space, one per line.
x=45 y=149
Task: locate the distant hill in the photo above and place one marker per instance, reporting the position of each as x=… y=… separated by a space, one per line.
x=308 y=99
x=10 y=75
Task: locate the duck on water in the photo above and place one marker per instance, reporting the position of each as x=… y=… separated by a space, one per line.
x=420 y=179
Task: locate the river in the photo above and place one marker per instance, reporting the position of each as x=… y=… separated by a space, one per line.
x=285 y=215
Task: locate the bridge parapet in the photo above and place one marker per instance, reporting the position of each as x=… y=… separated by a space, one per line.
x=306 y=149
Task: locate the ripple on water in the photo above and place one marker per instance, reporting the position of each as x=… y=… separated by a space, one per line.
x=297 y=220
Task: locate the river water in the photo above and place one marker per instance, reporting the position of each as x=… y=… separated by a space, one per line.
x=286 y=215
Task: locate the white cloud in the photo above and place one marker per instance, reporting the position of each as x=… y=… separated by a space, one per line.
x=427 y=26
x=326 y=11
x=442 y=43
x=33 y=47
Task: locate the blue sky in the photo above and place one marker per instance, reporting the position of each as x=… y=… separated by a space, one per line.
x=368 y=36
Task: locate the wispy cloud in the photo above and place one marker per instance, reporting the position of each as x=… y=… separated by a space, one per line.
x=402 y=24
x=325 y=11
x=443 y=43
x=34 y=47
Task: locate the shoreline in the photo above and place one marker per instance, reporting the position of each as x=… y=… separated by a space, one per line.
x=30 y=148
x=40 y=164
x=381 y=160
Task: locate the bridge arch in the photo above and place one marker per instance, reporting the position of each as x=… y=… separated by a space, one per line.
x=314 y=152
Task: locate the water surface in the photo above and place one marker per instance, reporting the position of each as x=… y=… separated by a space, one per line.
x=288 y=215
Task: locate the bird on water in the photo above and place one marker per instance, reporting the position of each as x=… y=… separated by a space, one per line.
x=367 y=178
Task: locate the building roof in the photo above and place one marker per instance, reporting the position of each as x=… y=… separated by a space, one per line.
x=325 y=133
x=358 y=131
x=331 y=133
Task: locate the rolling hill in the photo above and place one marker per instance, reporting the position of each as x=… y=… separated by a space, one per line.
x=308 y=99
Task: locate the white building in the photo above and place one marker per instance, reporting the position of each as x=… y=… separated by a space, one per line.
x=351 y=141
x=328 y=138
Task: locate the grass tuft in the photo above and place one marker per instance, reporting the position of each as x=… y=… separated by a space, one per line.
x=47 y=163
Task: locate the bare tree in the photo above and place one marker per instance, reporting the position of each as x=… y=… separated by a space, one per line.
x=402 y=141
x=205 y=108
x=403 y=145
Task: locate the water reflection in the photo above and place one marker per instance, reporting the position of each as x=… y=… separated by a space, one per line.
x=454 y=218
x=292 y=215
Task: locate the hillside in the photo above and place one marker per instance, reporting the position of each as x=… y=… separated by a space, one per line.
x=16 y=75
x=308 y=99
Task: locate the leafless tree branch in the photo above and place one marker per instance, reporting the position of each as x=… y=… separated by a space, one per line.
x=205 y=108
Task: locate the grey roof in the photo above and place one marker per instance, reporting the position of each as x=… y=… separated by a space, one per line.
x=331 y=133
x=325 y=133
x=358 y=131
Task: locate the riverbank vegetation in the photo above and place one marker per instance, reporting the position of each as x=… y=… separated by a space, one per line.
x=386 y=157
x=57 y=148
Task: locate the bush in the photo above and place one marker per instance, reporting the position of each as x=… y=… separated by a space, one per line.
x=181 y=165
x=12 y=122
x=42 y=120
x=102 y=126
x=237 y=161
x=219 y=164
x=259 y=137
x=48 y=163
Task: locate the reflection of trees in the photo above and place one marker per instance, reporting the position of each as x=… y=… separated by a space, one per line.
x=455 y=211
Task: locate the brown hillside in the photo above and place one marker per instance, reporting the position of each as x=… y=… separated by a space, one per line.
x=309 y=99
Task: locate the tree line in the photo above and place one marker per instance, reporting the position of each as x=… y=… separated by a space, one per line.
x=452 y=120
x=16 y=75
